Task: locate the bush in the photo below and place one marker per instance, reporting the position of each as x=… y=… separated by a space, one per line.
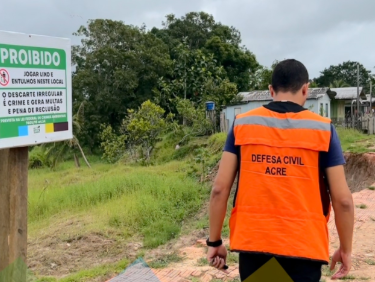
x=38 y=159
x=112 y=144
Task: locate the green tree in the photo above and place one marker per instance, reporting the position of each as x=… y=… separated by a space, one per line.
x=313 y=84
x=261 y=78
x=196 y=121
x=143 y=127
x=196 y=77
x=57 y=151
x=338 y=84
x=200 y=31
x=112 y=144
x=345 y=72
x=117 y=66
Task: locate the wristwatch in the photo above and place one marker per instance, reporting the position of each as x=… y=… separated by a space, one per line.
x=214 y=244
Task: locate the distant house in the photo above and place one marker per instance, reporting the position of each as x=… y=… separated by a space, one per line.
x=367 y=104
x=318 y=101
x=341 y=105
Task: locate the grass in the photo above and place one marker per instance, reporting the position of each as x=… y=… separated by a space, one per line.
x=136 y=200
x=354 y=141
x=370 y=262
x=90 y=274
x=371 y=188
x=362 y=206
x=202 y=262
x=326 y=271
x=232 y=258
x=165 y=261
x=121 y=203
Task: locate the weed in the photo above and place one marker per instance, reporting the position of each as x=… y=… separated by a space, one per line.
x=370 y=262
x=202 y=262
x=165 y=261
x=348 y=277
x=362 y=206
x=232 y=258
x=371 y=188
x=326 y=271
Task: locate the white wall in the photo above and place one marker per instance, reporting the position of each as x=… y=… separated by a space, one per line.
x=229 y=111
x=313 y=105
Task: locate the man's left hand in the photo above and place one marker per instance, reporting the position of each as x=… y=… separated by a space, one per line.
x=217 y=257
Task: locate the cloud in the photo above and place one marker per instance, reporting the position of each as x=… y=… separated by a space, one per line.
x=319 y=33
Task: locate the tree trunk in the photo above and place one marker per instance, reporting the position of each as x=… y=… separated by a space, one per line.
x=76 y=160
x=83 y=156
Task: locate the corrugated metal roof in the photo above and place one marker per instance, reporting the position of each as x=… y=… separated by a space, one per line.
x=264 y=95
x=348 y=93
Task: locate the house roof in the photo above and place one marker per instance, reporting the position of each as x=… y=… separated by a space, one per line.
x=264 y=95
x=348 y=93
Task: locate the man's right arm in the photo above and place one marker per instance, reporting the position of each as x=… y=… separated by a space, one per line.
x=342 y=202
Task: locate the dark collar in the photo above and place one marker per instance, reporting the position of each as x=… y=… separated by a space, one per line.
x=284 y=107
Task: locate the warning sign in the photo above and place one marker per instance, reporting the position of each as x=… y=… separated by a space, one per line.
x=35 y=90
x=4 y=77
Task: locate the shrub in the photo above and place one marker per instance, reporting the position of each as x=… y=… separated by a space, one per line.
x=38 y=159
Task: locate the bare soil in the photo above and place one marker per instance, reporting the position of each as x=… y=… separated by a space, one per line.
x=360 y=170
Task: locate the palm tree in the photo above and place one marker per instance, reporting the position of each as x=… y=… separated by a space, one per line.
x=56 y=151
x=339 y=84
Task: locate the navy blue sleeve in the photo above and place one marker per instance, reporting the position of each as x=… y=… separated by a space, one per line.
x=230 y=143
x=334 y=156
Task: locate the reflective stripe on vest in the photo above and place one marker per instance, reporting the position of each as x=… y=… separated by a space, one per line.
x=278 y=207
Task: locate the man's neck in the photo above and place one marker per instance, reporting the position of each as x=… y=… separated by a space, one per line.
x=287 y=97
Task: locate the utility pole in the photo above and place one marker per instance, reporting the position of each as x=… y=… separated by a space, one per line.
x=358 y=95
x=371 y=98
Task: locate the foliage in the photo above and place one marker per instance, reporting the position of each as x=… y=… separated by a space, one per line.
x=57 y=151
x=313 y=84
x=117 y=66
x=207 y=156
x=196 y=77
x=261 y=78
x=143 y=128
x=112 y=144
x=338 y=84
x=196 y=122
x=346 y=73
x=201 y=157
x=37 y=158
x=201 y=32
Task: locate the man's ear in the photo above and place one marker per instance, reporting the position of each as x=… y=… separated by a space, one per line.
x=305 y=89
x=271 y=90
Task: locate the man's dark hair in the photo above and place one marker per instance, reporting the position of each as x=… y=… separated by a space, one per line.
x=289 y=76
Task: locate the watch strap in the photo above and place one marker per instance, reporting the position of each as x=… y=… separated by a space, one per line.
x=214 y=244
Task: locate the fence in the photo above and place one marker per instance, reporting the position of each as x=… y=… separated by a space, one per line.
x=364 y=123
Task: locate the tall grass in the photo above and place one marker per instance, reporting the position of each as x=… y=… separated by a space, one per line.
x=355 y=141
x=150 y=201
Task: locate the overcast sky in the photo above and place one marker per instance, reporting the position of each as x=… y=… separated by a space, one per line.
x=317 y=32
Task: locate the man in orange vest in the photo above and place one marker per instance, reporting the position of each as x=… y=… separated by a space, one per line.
x=289 y=164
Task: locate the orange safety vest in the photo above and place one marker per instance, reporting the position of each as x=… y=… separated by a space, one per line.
x=282 y=204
